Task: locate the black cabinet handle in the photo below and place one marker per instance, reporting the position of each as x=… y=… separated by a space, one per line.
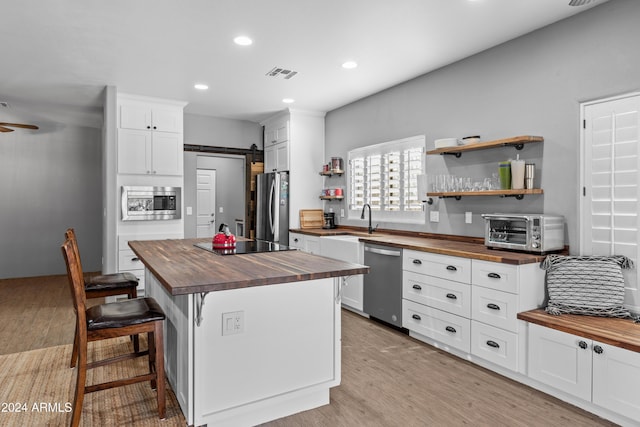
x=417 y=262
x=135 y=259
x=155 y=127
x=417 y=287
x=582 y=345
x=452 y=296
x=451 y=268
x=493 y=306
x=148 y=127
x=493 y=275
x=598 y=349
x=295 y=240
x=451 y=329
x=417 y=317
x=493 y=344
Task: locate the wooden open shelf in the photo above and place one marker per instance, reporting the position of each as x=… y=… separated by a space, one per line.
x=517 y=142
x=332 y=172
x=331 y=197
x=518 y=194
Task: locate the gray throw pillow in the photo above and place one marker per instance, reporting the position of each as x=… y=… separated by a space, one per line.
x=589 y=285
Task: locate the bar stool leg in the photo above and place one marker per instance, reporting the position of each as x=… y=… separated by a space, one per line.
x=159 y=368
x=74 y=351
x=80 y=384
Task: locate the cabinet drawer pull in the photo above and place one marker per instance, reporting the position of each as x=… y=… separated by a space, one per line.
x=598 y=349
x=493 y=275
x=582 y=345
x=135 y=258
x=452 y=296
x=451 y=329
x=417 y=317
x=493 y=344
x=417 y=287
x=451 y=268
x=493 y=306
x=295 y=240
x=417 y=262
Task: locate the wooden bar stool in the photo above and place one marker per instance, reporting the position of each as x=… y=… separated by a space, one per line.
x=104 y=285
x=111 y=320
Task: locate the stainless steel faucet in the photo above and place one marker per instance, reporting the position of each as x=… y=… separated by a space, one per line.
x=367 y=205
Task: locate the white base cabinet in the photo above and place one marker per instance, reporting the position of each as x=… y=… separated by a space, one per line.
x=595 y=372
x=305 y=242
x=347 y=249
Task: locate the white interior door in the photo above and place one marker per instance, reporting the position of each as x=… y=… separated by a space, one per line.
x=206 y=203
x=610 y=221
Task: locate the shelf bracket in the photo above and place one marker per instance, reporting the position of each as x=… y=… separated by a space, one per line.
x=199 y=304
x=517 y=196
x=519 y=146
x=458 y=155
x=450 y=197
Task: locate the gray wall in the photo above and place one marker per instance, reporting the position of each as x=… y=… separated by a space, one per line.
x=230 y=182
x=529 y=86
x=50 y=179
x=230 y=179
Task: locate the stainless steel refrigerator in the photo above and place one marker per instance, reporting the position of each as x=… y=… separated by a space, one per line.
x=272 y=220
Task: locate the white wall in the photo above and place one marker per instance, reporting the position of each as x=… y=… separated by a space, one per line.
x=532 y=85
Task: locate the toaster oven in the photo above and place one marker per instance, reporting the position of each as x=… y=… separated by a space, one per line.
x=524 y=232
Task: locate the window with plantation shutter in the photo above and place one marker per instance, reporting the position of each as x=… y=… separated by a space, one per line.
x=386 y=177
x=611 y=180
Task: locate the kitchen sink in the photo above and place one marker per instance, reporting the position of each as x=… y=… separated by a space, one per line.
x=348 y=238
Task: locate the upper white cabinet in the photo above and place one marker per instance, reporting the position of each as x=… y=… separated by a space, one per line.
x=150 y=139
x=294 y=141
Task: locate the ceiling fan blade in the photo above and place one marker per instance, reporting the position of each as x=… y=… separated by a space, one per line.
x=4 y=129
x=19 y=125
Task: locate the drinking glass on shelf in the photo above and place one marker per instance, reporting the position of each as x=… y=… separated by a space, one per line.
x=486 y=184
x=467 y=185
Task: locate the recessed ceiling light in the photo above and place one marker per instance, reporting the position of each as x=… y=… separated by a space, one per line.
x=350 y=65
x=201 y=86
x=288 y=100
x=243 y=41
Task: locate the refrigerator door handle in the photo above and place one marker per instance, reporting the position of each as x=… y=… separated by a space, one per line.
x=271 y=191
x=276 y=209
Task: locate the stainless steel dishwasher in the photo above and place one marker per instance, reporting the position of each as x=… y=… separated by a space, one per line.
x=383 y=284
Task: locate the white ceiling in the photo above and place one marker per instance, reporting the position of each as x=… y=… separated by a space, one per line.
x=61 y=54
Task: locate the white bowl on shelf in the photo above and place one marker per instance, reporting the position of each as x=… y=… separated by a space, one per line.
x=445 y=142
x=469 y=140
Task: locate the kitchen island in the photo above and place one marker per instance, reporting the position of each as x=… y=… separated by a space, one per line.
x=249 y=338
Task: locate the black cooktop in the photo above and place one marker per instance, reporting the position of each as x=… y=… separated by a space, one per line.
x=246 y=247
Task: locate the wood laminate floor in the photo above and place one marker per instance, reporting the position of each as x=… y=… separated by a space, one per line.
x=388 y=378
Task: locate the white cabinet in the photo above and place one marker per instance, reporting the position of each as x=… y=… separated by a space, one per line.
x=150 y=138
x=595 y=372
x=305 y=242
x=470 y=305
x=436 y=298
x=276 y=157
x=499 y=292
x=349 y=249
x=276 y=145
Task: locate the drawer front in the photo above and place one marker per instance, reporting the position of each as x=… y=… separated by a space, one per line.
x=446 y=295
x=449 y=329
x=495 y=345
x=495 y=308
x=442 y=266
x=128 y=260
x=502 y=277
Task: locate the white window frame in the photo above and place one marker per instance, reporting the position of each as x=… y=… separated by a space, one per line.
x=384 y=212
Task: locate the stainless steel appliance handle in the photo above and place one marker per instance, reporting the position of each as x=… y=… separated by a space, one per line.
x=271 y=206
x=388 y=252
x=276 y=208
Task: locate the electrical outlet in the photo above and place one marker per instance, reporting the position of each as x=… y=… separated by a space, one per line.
x=221 y=209
x=189 y=210
x=341 y=213
x=468 y=217
x=233 y=323
x=434 y=216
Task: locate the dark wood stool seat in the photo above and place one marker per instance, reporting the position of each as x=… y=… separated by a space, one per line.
x=123 y=313
x=111 y=320
x=104 y=285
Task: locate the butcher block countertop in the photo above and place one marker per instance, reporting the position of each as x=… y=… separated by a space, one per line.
x=460 y=246
x=183 y=268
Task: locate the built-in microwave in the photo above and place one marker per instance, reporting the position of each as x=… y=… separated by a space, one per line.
x=150 y=203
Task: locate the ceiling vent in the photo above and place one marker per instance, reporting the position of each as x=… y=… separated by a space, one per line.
x=4 y=104
x=281 y=72
x=579 y=2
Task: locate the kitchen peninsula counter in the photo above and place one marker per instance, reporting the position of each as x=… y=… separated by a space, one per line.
x=248 y=337
x=459 y=246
